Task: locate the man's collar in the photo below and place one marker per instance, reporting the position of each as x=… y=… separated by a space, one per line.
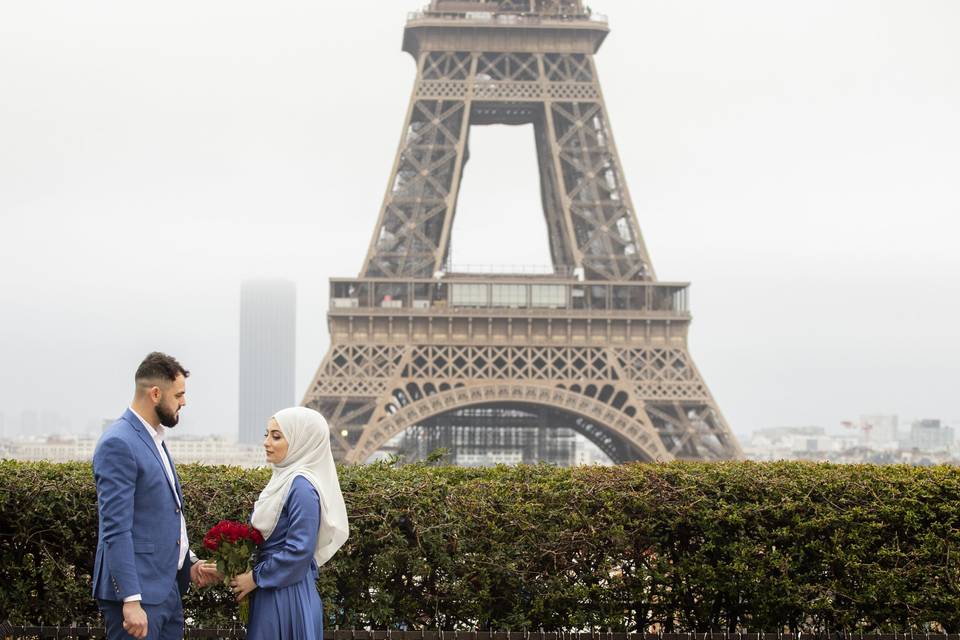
x=156 y=434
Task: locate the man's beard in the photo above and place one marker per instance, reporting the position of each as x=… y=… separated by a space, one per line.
x=168 y=420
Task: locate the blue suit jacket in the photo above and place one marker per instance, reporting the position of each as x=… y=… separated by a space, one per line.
x=139 y=533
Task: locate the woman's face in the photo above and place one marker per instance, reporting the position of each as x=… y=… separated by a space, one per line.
x=274 y=443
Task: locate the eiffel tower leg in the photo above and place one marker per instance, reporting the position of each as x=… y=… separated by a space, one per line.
x=345 y=393
x=596 y=206
x=677 y=402
x=412 y=234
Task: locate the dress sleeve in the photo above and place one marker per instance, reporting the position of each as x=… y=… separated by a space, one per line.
x=289 y=564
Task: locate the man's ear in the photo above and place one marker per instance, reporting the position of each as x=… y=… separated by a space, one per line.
x=155 y=394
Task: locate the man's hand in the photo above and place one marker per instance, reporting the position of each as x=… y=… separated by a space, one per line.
x=242 y=585
x=203 y=574
x=135 y=619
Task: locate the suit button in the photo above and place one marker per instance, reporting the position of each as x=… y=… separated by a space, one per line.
x=177 y=510
x=178 y=543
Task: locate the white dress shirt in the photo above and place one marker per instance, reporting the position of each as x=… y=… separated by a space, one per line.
x=157 y=435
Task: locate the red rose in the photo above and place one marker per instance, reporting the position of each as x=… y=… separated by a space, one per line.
x=211 y=542
x=229 y=532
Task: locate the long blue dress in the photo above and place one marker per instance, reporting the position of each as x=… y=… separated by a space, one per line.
x=286 y=605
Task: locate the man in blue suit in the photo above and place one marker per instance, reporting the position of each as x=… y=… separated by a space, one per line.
x=143 y=565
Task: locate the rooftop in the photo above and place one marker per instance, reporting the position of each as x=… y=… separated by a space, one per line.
x=553 y=8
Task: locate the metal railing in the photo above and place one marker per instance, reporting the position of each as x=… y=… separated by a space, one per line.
x=239 y=633
x=507 y=19
x=512 y=269
x=49 y=631
x=517 y=292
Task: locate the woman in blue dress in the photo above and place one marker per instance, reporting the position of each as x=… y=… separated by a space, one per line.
x=303 y=520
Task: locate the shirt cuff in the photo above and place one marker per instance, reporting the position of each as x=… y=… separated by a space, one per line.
x=134 y=598
x=193 y=557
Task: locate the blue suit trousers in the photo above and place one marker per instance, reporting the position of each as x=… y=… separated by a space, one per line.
x=164 y=621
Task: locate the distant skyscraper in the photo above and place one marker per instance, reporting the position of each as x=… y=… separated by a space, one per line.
x=930 y=435
x=52 y=422
x=879 y=430
x=29 y=423
x=267 y=346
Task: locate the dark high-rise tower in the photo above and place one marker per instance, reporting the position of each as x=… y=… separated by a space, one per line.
x=268 y=324
x=599 y=346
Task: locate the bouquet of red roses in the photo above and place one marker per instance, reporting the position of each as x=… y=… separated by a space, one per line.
x=233 y=544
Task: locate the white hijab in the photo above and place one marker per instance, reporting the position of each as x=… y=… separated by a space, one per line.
x=308 y=455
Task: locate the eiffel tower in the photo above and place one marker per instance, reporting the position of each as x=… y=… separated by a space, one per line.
x=598 y=345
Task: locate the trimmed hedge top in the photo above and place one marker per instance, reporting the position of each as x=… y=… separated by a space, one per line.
x=676 y=547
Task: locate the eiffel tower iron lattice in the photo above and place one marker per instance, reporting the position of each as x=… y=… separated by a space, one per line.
x=599 y=345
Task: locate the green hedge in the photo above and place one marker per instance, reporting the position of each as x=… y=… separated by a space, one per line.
x=688 y=547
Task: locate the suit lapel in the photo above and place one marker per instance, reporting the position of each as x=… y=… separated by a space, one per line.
x=134 y=421
x=137 y=425
x=176 y=478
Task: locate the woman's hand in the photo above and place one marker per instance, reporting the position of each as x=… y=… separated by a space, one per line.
x=242 y=585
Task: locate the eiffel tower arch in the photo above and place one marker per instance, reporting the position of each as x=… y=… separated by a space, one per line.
x=598 y=345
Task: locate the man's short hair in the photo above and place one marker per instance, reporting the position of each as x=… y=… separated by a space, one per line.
x=160 y=366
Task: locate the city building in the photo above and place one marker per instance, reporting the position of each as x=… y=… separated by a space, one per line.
x=267 y=353
x=183 y=450
x=876 y=439
x=53 y=422
x=50 y=449
x=215 y=450
x=515 y=442
x=879 y=431
x=512 y=437
x=930 y=435
x=29 y=422
x=789 y=443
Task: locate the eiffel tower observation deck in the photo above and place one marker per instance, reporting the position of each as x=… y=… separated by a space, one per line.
x=563 y=9
x=478 y=362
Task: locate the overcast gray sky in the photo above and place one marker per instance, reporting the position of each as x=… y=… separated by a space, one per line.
x=796 y=161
